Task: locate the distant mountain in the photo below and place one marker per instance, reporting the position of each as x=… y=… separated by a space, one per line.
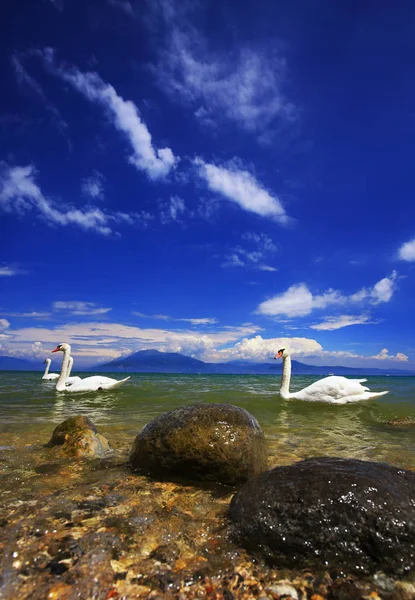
x=10 y=363
x=153 y=361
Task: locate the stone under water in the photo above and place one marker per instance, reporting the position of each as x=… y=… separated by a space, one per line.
x=330 y=512
x=78 y=437
x=205 y=442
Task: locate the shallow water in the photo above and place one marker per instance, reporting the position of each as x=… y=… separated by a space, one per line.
x=92 y=528
x=30 y=409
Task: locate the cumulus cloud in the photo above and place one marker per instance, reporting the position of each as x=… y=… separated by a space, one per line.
x=241 y=187
x=124 y=116
x=20 y=194
x=384 y=355
x=4 y=324
x=407 y=251
x=298 y=300
x=93 y=186
x=76 y=307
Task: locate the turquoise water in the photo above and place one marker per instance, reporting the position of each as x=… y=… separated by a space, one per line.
x=30 y=409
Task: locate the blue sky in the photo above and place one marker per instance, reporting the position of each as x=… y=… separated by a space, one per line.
x=217 y=179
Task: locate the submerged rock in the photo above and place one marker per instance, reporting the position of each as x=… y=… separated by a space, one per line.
x=78 y=436
x=323 y=512
x=212 y=442
x=402 y=422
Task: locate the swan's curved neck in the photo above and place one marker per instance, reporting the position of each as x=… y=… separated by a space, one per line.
x=60 y=384
x=285 y=378
x=48 y=361
x=69 y=366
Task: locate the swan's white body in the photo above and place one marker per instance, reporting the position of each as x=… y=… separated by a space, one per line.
x=333 y=389
x=89 y=384
x=49 y=376
x=70 y=380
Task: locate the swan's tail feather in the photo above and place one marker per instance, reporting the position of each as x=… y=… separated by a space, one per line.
x=111 y=386
x=373 y=395
x=360 y=380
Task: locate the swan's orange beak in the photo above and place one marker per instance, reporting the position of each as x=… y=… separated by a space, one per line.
x=56 y=349
x=278 y=355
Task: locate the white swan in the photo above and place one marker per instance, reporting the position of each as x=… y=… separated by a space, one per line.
x=334 y=389
x=46 y=375
x=89 y=384
x=70 y=380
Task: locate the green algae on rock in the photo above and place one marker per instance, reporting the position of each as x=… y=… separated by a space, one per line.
x=78 y=437
x=205 y=442
x=334 y=512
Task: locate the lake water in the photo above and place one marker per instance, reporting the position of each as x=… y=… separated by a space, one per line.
x=30 y=409
x=93 y=529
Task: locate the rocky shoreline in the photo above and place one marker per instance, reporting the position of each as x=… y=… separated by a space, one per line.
x=74 y=527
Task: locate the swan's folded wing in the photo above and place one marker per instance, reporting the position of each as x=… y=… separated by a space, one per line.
x=332 y=388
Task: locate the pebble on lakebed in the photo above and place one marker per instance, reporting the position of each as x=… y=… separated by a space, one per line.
x=78 y=437
x=205 y=442
x=353 y=514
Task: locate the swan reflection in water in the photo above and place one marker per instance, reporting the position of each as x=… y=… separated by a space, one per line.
x=98 y=406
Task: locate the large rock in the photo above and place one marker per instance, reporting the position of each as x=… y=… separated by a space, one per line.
x=323 y=512
x=212 y=442
x=78 y=437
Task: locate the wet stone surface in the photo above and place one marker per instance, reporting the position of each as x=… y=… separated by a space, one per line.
x=208 y=442
x=92 y=529
x=78 y=437
x=358 y=515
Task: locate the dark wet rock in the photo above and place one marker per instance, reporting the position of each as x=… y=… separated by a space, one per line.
x=79 y=437
x=166 y=553
x=352 y=514
x=211 y=442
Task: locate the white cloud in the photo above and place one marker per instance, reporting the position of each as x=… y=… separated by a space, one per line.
x=6 y=271
x=28 y=315
x=172 y=210
x=4 y=324
x=20 y=194
x=241 y=187
x=124 y=115
x=193 y=321
x=384 y=355
x=260 y=247
x=76 y=307
x=244 y=86
x=407 y=251
x=332 y=323
x=298 y=301
x=93 y=186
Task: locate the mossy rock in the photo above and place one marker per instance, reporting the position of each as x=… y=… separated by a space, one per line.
x=204 y=442
x=78 y=437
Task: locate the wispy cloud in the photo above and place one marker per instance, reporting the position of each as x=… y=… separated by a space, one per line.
x=193 y=321
x=7 y=271
x=20 y=194
x=123 y=5
x=123 y=114
x=93 y=186
x=260 y=248
x=58 y=4
x=76 y=307
x=173 y=210
x=298 y=301
x=241 y=187
x=244 y=85
x=407 y=251
x=332 y=323
x=28 y=315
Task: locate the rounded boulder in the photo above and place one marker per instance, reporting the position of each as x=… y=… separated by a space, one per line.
x=204 y=442
x=330 y=512
x=78 y=437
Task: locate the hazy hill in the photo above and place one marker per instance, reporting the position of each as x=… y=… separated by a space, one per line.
x=153 y=361
x=10 y=363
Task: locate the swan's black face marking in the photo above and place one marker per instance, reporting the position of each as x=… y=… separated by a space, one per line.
x=282 y=350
